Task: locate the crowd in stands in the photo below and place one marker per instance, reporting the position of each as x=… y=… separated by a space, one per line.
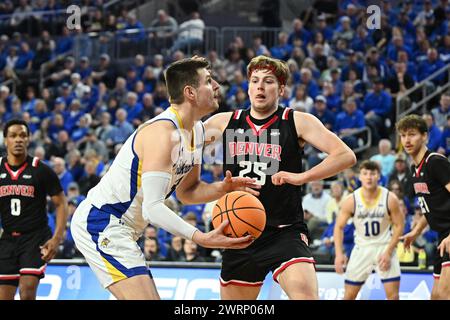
x=348 y=76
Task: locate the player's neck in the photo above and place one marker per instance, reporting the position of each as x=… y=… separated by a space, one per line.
x=186 y=115
x=262 y=114
x=16 y=161
x=419 y=155
x=370 y=193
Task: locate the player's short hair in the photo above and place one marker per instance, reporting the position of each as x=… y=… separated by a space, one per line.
x=370 y=165
x=14 y=122
x=278 y=67
x=412 y=121
x=183 y=73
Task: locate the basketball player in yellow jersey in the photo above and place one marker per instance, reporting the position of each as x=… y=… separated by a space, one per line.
x=163 y=155
x=374 y=210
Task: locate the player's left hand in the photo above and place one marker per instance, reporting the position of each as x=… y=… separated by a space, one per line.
x=444 y=246
x=242 y=184
x=48 y=250
x=283 y=177
x=384 y=261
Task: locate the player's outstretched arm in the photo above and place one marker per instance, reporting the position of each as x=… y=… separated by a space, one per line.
x=398 y=225
x=340 y=259
x=155 y=145
x=215 y=126
x=312 y=131
x=50 y=248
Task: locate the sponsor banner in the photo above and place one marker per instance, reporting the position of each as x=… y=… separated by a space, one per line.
x=75 y=282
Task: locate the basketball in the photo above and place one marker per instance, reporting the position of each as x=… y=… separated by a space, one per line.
x=244 y=211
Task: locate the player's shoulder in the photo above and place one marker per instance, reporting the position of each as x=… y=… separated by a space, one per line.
x=221 y=119
x=435 y=157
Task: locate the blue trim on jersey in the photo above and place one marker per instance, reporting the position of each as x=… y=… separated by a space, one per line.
x=116 y=209
x=354 y=283
x=390 y=279
x=134 y=178
x=97 y=222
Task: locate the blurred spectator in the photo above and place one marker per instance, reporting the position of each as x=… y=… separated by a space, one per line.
x=396 y=187
x=65 y=177
x=59 y=147
x=444 y=148
x=105 y=72
x=311 y=86
x=403 y=175
x=314 y=206
x=385 y=157
x=434 y=133
x=151 y=250
x=176 y=252
x=191 y=253
x=430 y=66
x=75 y=165
x=122 y=128
x=166 y=28
x=441 y=112
x=350 y=180
x=84 y=70
x=90 y=179
x=90 y=141
x=320 y=110
x=376 y=107
x=103 y=131
x=190 y=34
x=344 y=31
x=348 y=122
x=301 y=101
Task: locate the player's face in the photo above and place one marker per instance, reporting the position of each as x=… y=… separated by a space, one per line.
x=412 y=141
x=17 y=140
x=207 y=92
x=369 y=178
x=264 y=90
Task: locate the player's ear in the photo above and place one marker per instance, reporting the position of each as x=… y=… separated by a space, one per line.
x=281 y=90
x=189 y=92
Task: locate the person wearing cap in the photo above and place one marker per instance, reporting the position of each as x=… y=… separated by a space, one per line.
x=344 y=31
x=323 y=28
x=105 y=72
x=84 y=68
x=376 y=107
x=320 y=110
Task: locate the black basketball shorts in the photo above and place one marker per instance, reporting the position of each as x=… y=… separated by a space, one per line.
x=274 y=250
x=20 y=255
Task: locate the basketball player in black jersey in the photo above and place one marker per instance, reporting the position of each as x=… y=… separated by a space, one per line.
x=431 y=182
x=26 y=244
x=265 y=143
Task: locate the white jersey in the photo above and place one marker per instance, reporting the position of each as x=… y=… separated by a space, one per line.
x=372 y=223
x=119 y=192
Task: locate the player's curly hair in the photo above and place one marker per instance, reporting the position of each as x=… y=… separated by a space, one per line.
x=412 y=121
x=183 y=73
x=278 y=67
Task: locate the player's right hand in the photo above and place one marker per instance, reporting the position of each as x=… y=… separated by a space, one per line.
x=408 y=239
x=339 y=263
x=217 y=239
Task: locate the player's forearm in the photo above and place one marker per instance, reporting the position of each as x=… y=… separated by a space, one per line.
x=61 y=220
x=420 y=226
x=202 y=192
x=338 y=236
x=333 y=164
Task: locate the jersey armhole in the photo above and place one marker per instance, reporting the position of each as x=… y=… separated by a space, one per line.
x=354 y=204
x=387 y=204
x=291 y=121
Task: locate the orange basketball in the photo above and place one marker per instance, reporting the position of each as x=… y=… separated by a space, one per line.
x=244 y=211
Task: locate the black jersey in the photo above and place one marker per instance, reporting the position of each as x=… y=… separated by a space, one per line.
x=429 y=180
x=260 y=148
x=23 y=194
